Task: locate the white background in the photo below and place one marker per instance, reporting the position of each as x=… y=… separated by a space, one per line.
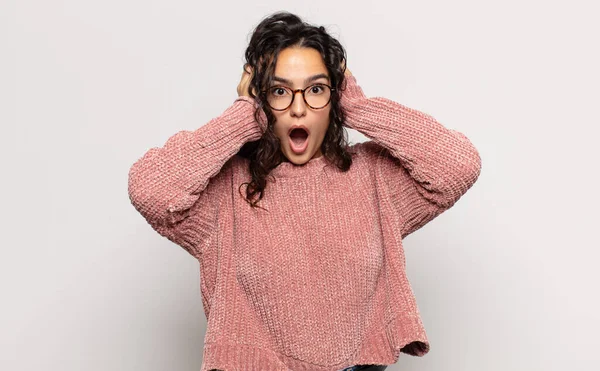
x=505 y=280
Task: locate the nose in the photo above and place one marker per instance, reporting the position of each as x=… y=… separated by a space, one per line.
x=298 y=105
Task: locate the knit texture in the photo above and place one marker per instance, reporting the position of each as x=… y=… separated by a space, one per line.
x=316 y=281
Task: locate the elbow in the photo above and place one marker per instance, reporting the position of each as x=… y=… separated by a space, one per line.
x=142 y=195
x=463 y=172
x=470 y=164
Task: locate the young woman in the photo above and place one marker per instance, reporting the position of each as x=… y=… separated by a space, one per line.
x=298 y=234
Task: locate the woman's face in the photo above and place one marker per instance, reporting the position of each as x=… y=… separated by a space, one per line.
x=297 y=68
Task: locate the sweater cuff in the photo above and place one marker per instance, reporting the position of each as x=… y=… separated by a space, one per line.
x=246 y=99
x=352 y=90
x=261 y=113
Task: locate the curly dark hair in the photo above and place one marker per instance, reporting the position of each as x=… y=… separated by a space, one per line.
x=273 y=34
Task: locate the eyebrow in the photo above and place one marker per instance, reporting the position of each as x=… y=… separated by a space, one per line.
x=306 y=81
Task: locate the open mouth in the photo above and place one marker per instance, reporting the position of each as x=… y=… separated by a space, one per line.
x=298 y=135
x=299 y=139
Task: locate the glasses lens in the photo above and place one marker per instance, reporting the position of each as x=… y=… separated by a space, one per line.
x=280 y=97
x=317 y=96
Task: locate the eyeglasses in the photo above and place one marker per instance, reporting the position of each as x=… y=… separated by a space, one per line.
x=281 y=97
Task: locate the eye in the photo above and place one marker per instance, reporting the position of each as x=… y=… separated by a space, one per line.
x=278 y=91
x=316 y=89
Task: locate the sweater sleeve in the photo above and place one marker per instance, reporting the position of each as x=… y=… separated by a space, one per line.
x=425 y=167
x=177 y=187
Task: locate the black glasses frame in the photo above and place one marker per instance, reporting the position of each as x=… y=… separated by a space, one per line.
x=264 y=92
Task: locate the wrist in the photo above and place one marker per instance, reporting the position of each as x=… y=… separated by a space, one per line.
x=245 y=98
x=351 y=89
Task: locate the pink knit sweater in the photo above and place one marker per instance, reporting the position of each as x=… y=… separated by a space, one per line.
x=318 y=281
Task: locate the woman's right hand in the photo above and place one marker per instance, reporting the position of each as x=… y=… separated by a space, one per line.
x=244 y=84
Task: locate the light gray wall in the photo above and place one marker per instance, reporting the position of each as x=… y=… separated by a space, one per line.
x=506 y=280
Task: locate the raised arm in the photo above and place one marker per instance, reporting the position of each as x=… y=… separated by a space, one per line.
x=425 y=166
x=170 y=186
